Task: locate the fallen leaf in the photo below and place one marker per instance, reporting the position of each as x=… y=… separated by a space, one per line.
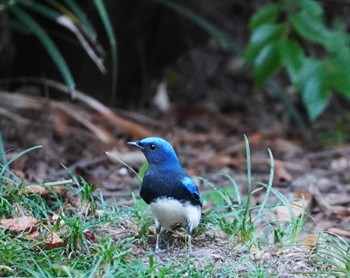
x=34 y=235
x=297 y=208
x=54 y=241
x=40 y=190
x=304 y=195
x=281 y=173
x=341 y=211
x=54 y=217
x=89 y=235
x=19 y=224
x=310 y=239
x=61 y=124
x=256 y=138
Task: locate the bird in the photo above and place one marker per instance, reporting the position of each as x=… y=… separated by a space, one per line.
x=173 y=196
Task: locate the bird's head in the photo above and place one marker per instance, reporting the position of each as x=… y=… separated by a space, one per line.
x=157 y=151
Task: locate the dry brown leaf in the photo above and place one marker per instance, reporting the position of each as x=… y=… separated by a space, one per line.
x=341 y=211
x=61 y=124
x=41 y=190
x=281 y=173
x=226 y=160
x=304 y=195
x=53 y=218
x=54 y=241
x=310 y=239
x=90 y=235
x=34 y=235
x=297 y=207
x=19 y=164
x=283 y=213
x=19 y=224
x=256 y=138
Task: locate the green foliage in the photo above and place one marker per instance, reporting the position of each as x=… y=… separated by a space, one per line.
x=143 y=219
x=3 y=160
x=336 y=252
x=240 y=220
x=293 y=35
x=70 y=16
x=141 y=173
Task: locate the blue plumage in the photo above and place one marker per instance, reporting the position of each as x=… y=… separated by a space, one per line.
x=173 y=196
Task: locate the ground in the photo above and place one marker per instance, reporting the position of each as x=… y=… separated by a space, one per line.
x=211 y=147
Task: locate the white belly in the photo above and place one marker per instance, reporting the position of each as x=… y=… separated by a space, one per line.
x=170 y=212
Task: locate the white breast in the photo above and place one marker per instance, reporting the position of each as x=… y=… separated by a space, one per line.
x=170 y=212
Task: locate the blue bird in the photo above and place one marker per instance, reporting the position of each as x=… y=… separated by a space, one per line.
x=173 y=196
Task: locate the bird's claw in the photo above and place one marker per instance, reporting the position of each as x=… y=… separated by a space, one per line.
x=158 y=250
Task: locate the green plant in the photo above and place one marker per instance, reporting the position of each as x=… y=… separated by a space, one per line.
x=261 y=271
x=235 y=216
x=77 y=225
x=143 y=219
x=69 y=15
x=335 y=251
x=242 y=221
x=293 y=35
x=11 y=185
x=111 y=251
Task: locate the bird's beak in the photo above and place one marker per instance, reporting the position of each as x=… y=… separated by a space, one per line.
x=135 y=144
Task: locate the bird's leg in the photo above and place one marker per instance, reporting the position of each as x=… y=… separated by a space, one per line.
x=189 y=231
x=189 y=244
x=158 y=230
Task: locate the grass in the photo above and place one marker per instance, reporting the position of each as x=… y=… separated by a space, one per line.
x=102 y=238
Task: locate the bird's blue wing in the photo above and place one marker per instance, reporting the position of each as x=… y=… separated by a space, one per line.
x=188 y=182
x=192 y=187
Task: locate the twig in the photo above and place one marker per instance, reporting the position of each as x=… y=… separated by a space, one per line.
x=53 y=183
x=135 y=130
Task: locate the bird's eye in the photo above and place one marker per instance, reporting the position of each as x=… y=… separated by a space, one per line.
x=152 y=147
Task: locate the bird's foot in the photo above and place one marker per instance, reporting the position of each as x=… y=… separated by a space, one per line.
x=159 y=251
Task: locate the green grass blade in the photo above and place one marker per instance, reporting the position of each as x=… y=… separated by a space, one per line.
x=68 y=20
x=235 y=187
x=49 y=45
x=18 y=156
x=249 y=164
x=3 y=160
x=204 y=24
x=268 y=189
x=112 y=42
x=41 y=9
x=83 y=19
x=71 y=174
